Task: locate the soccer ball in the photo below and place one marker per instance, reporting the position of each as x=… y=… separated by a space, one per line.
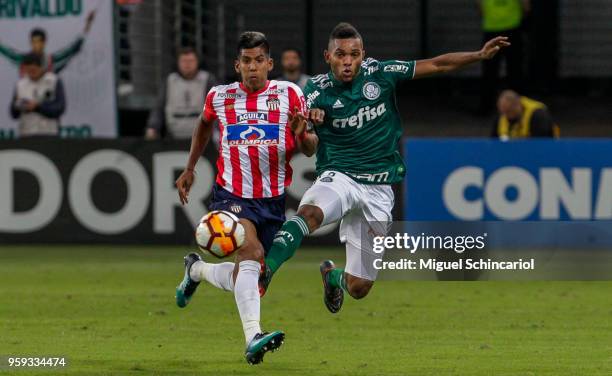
x=219 y=233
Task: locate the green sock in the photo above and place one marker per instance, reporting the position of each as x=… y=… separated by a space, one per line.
x=336 y=278
x=286 y=242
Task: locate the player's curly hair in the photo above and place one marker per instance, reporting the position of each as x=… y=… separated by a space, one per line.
x=344 y=30
x=253 y=39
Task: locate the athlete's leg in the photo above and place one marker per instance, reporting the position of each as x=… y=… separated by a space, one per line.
x=323 y=203
x=358 y=230
x=246 y=292
x=357 y=277
x=219 y=275
x=246 y=274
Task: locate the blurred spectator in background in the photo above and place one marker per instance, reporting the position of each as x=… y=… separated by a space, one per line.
x=54 y=62
x=39 y=100
x=522 y=117
x=291 y=64
x=505 y=18
x=181 y=99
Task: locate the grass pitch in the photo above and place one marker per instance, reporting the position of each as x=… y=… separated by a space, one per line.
x=110 y=311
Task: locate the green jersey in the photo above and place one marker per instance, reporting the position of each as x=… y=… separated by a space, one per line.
x=362 y=126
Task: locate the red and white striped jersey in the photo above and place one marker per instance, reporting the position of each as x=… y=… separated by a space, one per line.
x=256 y=142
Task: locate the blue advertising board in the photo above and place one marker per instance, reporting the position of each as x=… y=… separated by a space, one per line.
x=490 y=180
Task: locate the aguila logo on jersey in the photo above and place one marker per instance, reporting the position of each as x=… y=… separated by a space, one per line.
x=252 y=134
x=367 y=112
x=252 y=116
x=371 y=90
x=273 y=104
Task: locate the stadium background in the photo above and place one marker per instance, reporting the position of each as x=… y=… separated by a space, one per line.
x=108 y=306
x=566 y=66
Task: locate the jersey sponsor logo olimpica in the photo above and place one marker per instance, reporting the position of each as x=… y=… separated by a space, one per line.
x=252 y=134
x=367 y=112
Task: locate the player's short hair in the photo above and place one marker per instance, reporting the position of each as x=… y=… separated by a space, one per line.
x=292 y=49
x=32 y=59
x=188 y=50
x=38 y=32
x=344 y=30
x=253 y=39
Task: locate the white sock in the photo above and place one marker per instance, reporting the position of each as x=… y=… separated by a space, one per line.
x=218 y=275
x=246 y=292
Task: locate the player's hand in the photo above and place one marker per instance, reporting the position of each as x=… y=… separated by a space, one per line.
x=297 y=121
x=184 y=183
x=492 y=47
x=316 y=115
x=30 y=106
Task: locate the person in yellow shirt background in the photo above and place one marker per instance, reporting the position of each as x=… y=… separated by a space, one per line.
x=522 y=117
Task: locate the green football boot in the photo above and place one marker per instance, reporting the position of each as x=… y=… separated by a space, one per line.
x=333 y=297
x=188 y=286
x=261 y=344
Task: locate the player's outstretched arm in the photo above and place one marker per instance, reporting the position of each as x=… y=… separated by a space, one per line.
x=199 y=139
x=457 y=60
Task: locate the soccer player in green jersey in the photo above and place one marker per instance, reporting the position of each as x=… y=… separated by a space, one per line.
x=358 y=127
x=54 y=62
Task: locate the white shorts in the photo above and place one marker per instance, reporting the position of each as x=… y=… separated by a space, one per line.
x=365 y=211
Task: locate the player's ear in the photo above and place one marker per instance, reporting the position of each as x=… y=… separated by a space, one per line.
x=237 y=66
x=270 y=64
x=326 y=55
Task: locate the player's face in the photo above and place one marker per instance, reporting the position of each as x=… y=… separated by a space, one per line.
x=188 y=65
x=38 y=45
x=33 y=71
x=290 y=61
x=253 y=65
x=344 y=56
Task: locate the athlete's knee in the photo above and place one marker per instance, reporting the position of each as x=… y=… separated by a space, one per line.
x=252 y=248
x=251 y=251
x=358 y=288
x=313 y=215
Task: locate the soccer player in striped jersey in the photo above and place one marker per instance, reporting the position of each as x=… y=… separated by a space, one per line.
x=261 y=122
x=359 y=129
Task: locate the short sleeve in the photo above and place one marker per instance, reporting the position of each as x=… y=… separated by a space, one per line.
x=296 y=99
x=209 y=113
x=398 y=70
